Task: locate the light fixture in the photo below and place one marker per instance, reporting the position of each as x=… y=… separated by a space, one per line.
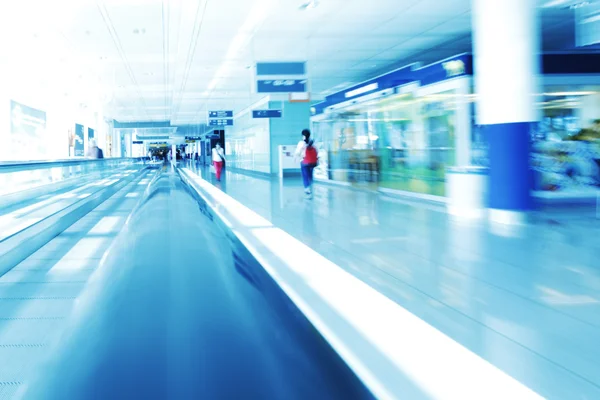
x=309 y=5
x=241 y=40
x=579 y=5
x=564 y=94
x=572 y=4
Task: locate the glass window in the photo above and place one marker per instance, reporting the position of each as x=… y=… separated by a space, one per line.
x=248 y=144
x=400 y=142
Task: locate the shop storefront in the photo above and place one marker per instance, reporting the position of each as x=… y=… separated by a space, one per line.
x=400 y=138
x=566 y=142
x=402 y=131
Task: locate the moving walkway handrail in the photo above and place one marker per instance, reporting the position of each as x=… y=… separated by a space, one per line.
x=11 y=166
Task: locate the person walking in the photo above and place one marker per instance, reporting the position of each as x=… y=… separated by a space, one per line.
x=218 y=158
x=310 y=158
x=94 y=151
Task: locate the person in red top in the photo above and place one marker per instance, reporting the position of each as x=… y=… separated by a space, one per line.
x=310 y=158
x=218 y=157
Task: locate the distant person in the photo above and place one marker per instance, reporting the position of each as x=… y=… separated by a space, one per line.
x=94 y=151
x=218 y=158
x=310 y=158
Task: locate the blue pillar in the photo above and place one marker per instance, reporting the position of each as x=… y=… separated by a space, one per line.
x=506 y=58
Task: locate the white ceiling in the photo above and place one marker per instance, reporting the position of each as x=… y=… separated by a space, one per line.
x=156 y=60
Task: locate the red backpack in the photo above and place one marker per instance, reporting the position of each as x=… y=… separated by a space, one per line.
x=311 y=156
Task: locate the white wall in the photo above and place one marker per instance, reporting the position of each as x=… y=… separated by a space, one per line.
x=61 y=117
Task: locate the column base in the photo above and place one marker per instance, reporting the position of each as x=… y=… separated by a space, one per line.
x=507 y=217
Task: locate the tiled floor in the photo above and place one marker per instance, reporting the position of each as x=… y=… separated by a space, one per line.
x=526 y=300
x=38 y=294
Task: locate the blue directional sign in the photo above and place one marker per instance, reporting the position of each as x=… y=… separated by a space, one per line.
x=266 y=113
x=281 y=86
x=280 y=68
x=220 y=122
x=220 y=114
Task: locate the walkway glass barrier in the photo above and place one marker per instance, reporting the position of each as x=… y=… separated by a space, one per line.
x=33 y=191
x=21 y=176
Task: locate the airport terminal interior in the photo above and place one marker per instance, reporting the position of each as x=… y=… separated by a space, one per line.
x=300 y=199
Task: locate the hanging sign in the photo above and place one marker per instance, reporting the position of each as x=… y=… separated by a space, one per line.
x=266 y=114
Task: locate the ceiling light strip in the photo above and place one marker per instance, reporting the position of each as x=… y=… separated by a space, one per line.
x=115 y=37
x=198 y=22
x=165 y=38
x=244 y=35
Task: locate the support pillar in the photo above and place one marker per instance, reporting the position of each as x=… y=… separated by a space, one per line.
x=506 y=48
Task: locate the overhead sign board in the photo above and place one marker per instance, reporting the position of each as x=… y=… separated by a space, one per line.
x=193 y=138
x=281 y=86
x=146 y=138
x=220 y=114
x=138 y=142
x=220 y=122
x=362 y=90
x=266 y=113
x=280 y=68
x=454 y=67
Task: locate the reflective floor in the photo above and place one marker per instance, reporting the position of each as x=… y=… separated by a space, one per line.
x=38 y=295
x=526 y=300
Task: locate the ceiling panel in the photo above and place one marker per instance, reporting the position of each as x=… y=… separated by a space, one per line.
x=179 y=56
x=421 y=42
x=278 y=48
x=436 y=8
x=455 y=27
x=404 y=25
x=384 y=9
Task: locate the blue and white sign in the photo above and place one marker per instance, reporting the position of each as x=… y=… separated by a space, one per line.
x=220 y=114
x=281 y=86
x=220 y=122
x=79 y=140
x=454 y=67
x=280 y=68
x=266 y=114
x=25 y=120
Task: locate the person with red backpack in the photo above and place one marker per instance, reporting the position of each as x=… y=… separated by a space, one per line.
x=310 y=158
